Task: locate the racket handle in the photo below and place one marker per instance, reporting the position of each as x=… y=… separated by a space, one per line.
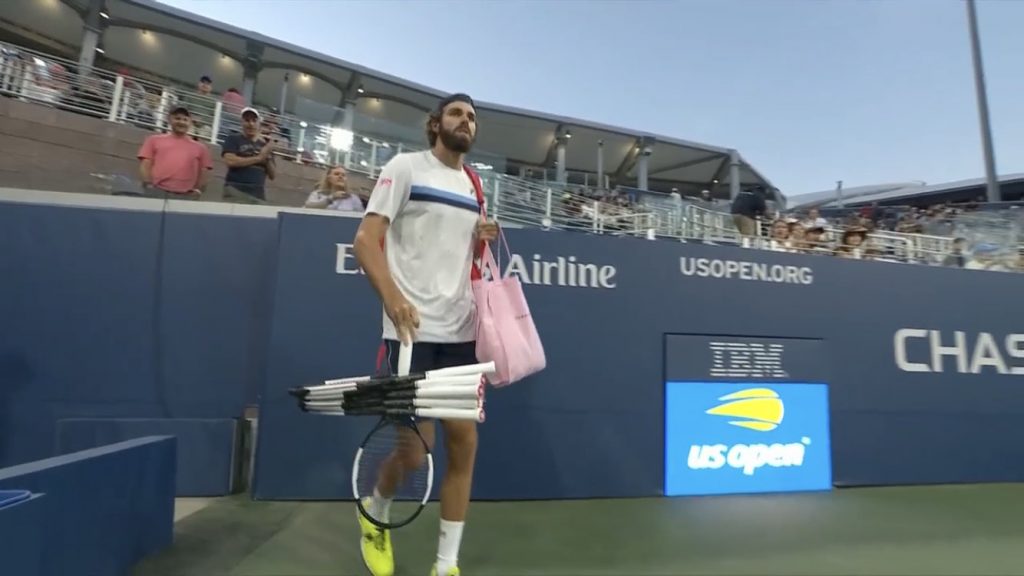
x=476 y=415
x=467 y=380
x=482 y=368
x=404 y=358
x=462 y=403
x=443 y=392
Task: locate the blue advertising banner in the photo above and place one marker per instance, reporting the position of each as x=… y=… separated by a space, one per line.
x=222 y=311
x=744 y=438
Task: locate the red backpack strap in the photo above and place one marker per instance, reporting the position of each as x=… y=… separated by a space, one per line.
x=478 y=188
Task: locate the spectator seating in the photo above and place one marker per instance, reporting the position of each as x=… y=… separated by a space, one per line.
x=55 y=138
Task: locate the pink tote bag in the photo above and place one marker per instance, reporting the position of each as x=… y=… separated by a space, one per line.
x=505 y=332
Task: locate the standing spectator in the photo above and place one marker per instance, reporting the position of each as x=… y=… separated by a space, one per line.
x=233 y=103
x=746 y=208
x=201 y=104
x=174 y=164
x=814 y=219
x=332 y=192
x=250 y=161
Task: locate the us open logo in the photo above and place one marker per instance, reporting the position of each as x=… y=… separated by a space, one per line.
x=757 y=409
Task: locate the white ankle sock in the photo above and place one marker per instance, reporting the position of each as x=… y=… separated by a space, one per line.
x=448 y=546
x=381 y=507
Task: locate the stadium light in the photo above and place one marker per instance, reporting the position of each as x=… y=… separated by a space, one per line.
x=341 y=139
x=992 y=185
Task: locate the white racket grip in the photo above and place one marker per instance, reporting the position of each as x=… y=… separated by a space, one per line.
x=467 y=380
x=483 y=368
x=462 y=403
x=451 y=392
x=451 y=414
x=404 y=358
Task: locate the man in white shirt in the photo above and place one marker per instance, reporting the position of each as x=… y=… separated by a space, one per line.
x=424 y=210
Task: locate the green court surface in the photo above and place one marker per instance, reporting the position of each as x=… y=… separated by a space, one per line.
x=966 y=529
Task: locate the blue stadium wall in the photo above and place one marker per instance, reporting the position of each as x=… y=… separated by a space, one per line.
x=123 y=313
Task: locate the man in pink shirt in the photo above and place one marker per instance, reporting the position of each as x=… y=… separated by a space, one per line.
x=173 y=165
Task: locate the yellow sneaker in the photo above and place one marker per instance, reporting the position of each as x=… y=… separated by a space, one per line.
x=375 y=545
x=451 y=571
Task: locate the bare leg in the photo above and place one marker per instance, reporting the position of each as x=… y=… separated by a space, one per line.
x=407 y=456
x=460 y=444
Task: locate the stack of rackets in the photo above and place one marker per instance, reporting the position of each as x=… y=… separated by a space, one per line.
x=455 y=393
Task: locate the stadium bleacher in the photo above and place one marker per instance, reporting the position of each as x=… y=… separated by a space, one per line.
x=69 y=133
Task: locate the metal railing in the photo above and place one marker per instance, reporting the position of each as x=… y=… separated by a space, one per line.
x=47 y=80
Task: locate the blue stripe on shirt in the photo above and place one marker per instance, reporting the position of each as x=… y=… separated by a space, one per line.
x=428 y=194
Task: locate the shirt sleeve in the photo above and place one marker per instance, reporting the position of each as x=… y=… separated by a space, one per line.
x=146 y=152
x=230 y=144
x=392 y=190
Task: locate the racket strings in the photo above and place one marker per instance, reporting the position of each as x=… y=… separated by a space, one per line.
x=394 y=473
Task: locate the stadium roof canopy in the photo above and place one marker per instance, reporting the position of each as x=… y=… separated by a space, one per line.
x=906 y=193
x=179 y=46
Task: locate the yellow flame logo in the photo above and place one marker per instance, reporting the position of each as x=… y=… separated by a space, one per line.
x=759 y=409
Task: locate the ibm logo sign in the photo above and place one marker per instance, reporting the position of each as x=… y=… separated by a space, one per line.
x=746 y=360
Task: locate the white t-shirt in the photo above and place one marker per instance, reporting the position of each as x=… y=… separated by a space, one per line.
x=433 y=213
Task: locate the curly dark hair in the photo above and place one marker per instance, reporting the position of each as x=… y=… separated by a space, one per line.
x=434 y=116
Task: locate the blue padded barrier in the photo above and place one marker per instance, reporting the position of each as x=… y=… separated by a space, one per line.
x=206 y=446
x=144 y=329
x=105 y=508
x=23 y=532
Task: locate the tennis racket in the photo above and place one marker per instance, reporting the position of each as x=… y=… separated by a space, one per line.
x=394 y=460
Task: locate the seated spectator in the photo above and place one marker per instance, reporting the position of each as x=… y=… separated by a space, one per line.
x=250 y=161
x=780 y=237
x=956 y=257
x=852 y=243
x=332 y=192
x=797 y=236
x=174 y=164
x=986 y=257
x=814 y=240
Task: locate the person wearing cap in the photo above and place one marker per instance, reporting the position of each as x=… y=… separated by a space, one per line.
x=420 y=234
x=173 y=164
x=249 y=158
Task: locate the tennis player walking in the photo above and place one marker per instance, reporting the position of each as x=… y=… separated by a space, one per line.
x=425 y=213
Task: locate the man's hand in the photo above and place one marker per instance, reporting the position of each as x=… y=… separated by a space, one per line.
x=268 y=148
x=405 y=318
x=486 y=230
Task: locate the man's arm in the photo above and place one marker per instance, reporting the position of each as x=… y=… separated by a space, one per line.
x=206 y=164
x=230 y=149
x=145 y=155
x=234 y=161
x=370 y=255
x=385 y=204
x=146 y=170
x=270 y=166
